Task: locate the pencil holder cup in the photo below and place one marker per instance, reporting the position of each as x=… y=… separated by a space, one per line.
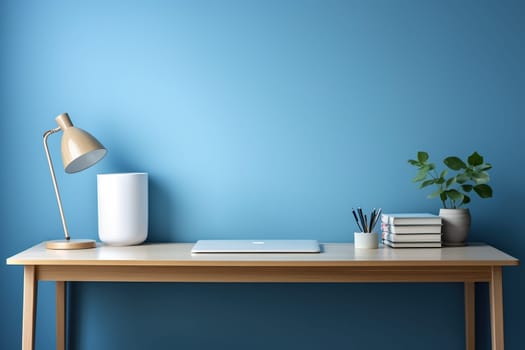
x=122 y=208
x=366 y=240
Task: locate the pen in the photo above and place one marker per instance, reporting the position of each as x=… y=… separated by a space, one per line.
x=376 y=218
x=372 y=218
x=360 y=212
x=356 y=220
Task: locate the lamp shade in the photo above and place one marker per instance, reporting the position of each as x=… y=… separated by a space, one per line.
x=80 y=149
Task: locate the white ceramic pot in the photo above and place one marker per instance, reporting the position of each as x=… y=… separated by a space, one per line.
x=456 y=226
x=122 y=208
x=365 y=240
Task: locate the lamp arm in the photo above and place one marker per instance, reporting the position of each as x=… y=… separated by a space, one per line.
x=53 y=177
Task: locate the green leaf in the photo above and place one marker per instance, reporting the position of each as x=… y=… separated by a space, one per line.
x=413 y=162
x=466 y=188
x=443 y=173
x=443 y=196
x=454 y=195
x=466 y=200
x=421 y=175
x=483 y=190
x=427 y=183
x=440 y=180
x=454 y=163
x=435 y=194
x=475 y=159
x=484 y=167
x=462 y=178
x=422 y=156
x=450 y=181
x=480 y=177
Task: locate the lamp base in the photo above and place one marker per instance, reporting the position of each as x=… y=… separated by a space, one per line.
x=64 y=244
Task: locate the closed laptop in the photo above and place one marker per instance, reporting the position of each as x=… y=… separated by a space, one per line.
x=256 y=246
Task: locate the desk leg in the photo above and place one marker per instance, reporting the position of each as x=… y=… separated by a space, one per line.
x=29 y=313
x=470 y=318
x=496 y=308
x=61 y=315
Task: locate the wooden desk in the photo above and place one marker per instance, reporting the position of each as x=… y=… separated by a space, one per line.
x=173 y=262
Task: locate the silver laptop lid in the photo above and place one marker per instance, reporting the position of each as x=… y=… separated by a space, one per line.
x=257 y=246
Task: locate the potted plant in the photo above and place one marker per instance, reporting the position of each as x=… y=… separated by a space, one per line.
x=454 y=189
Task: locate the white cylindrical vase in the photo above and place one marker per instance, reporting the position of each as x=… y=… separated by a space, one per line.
x=122 y=208
x=366 y=240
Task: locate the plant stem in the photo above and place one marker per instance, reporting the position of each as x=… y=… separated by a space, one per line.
x=441 y=189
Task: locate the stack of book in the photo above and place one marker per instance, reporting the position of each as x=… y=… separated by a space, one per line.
x=416 y=230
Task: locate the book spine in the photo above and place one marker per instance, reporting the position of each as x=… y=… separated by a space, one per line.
x=411 y=229
x=410 y=238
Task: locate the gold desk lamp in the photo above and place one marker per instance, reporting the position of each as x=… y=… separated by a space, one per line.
x=80 y=150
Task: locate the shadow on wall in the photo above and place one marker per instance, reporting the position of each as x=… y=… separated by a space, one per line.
x=161 y=212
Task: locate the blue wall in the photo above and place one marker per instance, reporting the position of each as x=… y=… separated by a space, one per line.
x=265 y=119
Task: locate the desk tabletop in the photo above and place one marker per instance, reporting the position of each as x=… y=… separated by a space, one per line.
x=332 y=254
